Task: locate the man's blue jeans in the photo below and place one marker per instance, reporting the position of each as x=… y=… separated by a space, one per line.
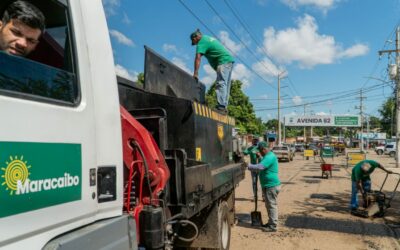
x=354 y=192
x=223 y=86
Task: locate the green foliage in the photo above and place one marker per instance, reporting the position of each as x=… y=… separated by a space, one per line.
x=140 y=78
x=239 y=108
x=388 y=114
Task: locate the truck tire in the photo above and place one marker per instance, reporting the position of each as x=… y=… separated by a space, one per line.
x=379 y=151
x=224 y=226
x=392 y=153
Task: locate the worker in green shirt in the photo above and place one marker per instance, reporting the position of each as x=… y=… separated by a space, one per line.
x=270 y=183
x=220 y=60
x=253 y=152
x=361 y=181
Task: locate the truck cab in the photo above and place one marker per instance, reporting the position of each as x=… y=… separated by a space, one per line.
x=88 y=161
x=60 y=136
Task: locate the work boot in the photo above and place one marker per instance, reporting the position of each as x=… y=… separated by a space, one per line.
x=269 y=229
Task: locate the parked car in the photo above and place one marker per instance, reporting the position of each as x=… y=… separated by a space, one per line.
x=379 y=149
x=299 y=148
x=390 y=149
x=283 y=152
x=291 y=147
x=314 y=148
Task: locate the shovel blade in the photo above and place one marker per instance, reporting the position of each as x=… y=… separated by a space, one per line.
x=256 y=219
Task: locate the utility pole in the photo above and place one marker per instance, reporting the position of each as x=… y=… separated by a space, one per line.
x=279 y=107
x=397 y=79
x=361 y=107
x=304 y=135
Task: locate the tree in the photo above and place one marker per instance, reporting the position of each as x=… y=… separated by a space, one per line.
x=140 y=78
x=239 y=108
x=388 y=113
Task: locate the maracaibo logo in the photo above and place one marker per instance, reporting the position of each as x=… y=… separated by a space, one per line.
x=16 y=179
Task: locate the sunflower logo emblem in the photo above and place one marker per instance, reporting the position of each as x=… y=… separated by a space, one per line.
x=17 y=170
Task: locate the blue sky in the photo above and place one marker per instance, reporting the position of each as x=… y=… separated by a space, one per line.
x=327 y=50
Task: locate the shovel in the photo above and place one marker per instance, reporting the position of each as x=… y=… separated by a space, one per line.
x=256 y=219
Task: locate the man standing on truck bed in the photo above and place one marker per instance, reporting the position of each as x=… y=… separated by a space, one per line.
x=21 y=26
x=220 y=60
x=270 y=184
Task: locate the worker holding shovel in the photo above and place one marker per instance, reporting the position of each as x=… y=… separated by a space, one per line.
x=253 y=152
x=361 y=181
x=270 y=183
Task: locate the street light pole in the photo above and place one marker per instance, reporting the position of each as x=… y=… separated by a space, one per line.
x=397 y=80
x=280 y=77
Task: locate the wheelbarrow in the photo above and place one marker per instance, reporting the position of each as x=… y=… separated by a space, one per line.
x=326 y=169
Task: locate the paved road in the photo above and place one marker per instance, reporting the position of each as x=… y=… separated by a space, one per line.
x=314 y=211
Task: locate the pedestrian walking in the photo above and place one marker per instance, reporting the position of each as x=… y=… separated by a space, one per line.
x=270 y=183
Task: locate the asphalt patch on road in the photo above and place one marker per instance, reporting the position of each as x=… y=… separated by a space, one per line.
x=312 y=181
x=322 y=196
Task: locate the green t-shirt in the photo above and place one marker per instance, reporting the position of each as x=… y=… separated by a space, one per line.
x=252 y=152
x=358 y=174
x=214 y=51
x=269 y=176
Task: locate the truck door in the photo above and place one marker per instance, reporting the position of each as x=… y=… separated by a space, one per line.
x=47 y=136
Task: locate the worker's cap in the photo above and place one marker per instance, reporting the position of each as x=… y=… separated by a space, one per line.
x=195 y=34
x=262 y=145
x=365 y=167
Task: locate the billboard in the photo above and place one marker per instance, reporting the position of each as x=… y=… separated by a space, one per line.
x=322 y=121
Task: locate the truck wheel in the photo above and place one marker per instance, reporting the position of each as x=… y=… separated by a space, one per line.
x=224 y=226
x=392 y=154
x=379 y=151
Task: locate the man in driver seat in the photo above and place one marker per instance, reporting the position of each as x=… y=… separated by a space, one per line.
x=20 y=28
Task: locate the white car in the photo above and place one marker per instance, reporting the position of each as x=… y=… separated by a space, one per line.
x=379 y=150
x=390 y=149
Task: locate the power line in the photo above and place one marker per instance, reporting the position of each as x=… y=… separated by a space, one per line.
x=237 y=37
x=244 y=63
x=324 y=100
x=247 y=28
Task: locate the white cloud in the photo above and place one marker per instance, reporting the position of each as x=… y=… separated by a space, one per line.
x=111 y=6
x=321 y=113
x=169 y=48
x=264 y=97
x=297 y=100
x=126 y=19
x=181 y=64
x=233 y=47
x=266 y=68
x=121 y=38
x=356 y=50
x=262 y=2
x=306 y=46
x=323 y=5
x=121 y=71
x=240 y=72
x=210 y=77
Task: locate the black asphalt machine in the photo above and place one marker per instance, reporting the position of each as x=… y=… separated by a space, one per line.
x=376 y=202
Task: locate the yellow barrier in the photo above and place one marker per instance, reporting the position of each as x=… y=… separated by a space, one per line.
x=308 y=153
x=354 y=158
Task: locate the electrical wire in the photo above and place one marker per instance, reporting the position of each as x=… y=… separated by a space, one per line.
x=215 y=36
